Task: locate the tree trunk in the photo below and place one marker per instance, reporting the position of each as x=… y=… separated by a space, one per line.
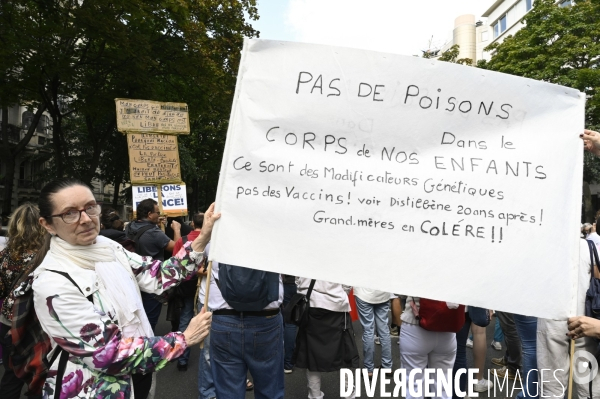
x=10 y=166
x=10 y=155
x=117 y=182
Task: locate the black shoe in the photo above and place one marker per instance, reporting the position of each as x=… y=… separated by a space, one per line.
x=182 y=367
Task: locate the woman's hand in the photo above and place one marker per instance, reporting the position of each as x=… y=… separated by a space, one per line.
x=591 y=141
x=198 y=328
x=210 y=217
x=583 y=326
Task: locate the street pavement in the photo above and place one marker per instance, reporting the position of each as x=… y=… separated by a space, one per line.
x=174 y=384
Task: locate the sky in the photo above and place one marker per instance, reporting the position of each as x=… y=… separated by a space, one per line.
x=392 y=26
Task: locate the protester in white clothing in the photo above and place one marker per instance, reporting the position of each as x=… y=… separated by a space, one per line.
x=422 y=349
x=593 y=235
x=553 y=343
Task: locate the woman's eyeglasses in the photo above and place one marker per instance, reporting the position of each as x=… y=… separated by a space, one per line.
x=73 y=215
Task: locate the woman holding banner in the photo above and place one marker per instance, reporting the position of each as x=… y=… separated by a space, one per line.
x=86 y=291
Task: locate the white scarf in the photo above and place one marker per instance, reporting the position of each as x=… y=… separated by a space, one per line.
x=108 y=260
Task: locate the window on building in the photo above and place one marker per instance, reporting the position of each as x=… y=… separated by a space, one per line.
x=42 y=124
x=26 y=119
x=500 y=26
x=47 y=124
x=528 y=4
x=565 y=3
x=41 y=140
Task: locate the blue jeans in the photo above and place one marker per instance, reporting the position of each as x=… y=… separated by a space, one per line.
x=206 y=387
x=289 y=333
x=187 y=312
x=152 y=308
x=247 y=343
x=498 y=334
x=480 y=317
x=527 y=329
x=371 y=316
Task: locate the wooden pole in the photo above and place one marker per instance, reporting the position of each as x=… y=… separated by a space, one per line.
x=160 y=205
x=571 y=365
x=207 y=291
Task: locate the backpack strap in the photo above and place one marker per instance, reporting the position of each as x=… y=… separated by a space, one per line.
x=62 y=365
x=593 y=257
x=184 y=239
x=139 y=234
x=64 y=355
x=310 y=289
x=66 y=275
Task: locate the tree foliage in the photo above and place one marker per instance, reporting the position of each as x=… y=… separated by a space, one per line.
x=75 y=57
x=558 y=45
x=451 y=55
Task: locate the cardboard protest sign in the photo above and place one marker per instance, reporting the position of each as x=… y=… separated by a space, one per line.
x=174 y=199
x=407 y=175
x=152 y=116
x=153 y=158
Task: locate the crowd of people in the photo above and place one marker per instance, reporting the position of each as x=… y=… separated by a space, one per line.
x=97 y=286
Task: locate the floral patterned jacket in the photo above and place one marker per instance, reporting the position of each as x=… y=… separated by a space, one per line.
x=101 y=361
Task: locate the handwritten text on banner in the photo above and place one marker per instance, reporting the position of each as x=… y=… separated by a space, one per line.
x=403 y=174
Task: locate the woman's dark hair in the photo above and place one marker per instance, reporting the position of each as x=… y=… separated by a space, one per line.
x=46 y=207
x=45 y=202
x=109 y=217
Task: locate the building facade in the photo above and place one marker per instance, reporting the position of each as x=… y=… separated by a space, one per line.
x=30 y=163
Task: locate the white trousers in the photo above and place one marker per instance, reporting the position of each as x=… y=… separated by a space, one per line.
x=314 y=386
x=421 y=349
x=553 y=360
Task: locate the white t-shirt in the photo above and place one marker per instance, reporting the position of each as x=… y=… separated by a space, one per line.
x=2 y=243
x=371 y=296
x=595 y=238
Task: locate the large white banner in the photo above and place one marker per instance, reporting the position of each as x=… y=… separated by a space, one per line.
x=403 y=174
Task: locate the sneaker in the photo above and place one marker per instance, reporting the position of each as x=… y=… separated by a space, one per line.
x=497 y=345
x=499 y=361
x=394 y=331
x=377 y=341
x=504 y=371
x=469 y=343
x=483 y=385
x=287 y=371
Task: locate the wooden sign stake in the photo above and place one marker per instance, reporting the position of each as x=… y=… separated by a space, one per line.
x=205 y=307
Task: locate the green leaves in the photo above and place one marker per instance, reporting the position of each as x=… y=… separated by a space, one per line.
x=558 y=45
x=78 y=56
